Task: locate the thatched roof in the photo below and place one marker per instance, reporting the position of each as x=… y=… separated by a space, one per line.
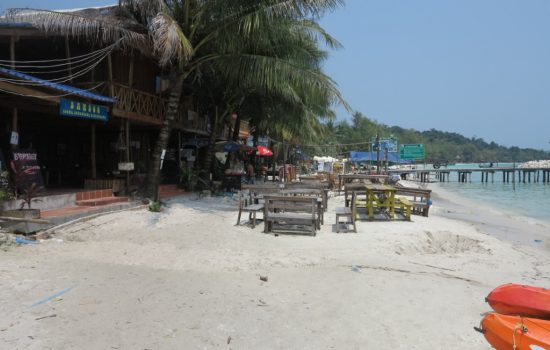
x=105 y=25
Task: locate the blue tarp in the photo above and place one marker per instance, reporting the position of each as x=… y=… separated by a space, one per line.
x=56 y=86
x=365 y=156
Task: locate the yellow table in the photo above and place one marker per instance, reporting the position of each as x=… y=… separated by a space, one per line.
x=377 y=196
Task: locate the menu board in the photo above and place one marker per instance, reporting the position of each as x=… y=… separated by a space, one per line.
x=26 y=169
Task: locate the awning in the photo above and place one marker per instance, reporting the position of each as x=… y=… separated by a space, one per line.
x=55 y=86
x=358 y=156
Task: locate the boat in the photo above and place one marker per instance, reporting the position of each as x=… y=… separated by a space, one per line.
x=515 y=332
x=516 y=299
x=488 y=165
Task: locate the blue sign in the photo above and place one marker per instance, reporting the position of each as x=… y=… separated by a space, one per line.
x=83 y=110
x=385 y=144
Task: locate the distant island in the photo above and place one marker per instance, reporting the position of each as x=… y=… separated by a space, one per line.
x=439 y=145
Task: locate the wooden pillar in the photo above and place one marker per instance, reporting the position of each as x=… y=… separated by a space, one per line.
x=179 y=149
x=14 y=113
x=127 y=158
x=68 y=54
x=284 y=161
x=92 y=153
x=110 y=73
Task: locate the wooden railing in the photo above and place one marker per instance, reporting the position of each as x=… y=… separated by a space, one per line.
x=139 y=102
x=148 y=107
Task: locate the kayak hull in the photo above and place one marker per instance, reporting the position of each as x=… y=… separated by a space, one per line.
x=516 y=299
x=503 y=331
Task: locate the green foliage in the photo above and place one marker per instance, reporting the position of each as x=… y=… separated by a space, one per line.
x=30 y=194
x=439 y=145
x=155 y=207
x=189 y=177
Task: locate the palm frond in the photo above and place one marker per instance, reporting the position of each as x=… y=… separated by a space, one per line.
x=92 y=27
x=170 y=43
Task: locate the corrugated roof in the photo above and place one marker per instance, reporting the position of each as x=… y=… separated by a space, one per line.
x=56 y=86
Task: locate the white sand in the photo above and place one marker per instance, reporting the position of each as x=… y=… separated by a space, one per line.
x=189 y=279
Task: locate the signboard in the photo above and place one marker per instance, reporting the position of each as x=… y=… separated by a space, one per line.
x=27 y=170
x=129 y=166
x=385 y=144
x=14 y=139
x=412 y=151
x=83 y=110
x=263 y=141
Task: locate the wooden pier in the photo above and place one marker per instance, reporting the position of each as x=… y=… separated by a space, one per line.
x=509 y=174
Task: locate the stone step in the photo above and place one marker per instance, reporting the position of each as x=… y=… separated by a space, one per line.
x=87 y=195
x=101 y=201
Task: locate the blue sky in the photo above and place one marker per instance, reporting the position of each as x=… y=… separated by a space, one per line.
x=477 y=67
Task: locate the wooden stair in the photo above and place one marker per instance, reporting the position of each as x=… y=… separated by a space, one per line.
x=169 y=190
x=98 y=198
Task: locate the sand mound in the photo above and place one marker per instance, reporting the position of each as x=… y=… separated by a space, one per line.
x=442 y=242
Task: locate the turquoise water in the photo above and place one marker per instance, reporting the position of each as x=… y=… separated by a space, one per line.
x=528 y=199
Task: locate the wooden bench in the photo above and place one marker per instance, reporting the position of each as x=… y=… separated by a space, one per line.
x=346 y=213
x=246 y=204
x=290 y=211
x=420 y=199
x=319 y=194
x=349 y=189
x=404 y=206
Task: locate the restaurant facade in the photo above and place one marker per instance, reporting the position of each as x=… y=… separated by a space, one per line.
x=91 y=114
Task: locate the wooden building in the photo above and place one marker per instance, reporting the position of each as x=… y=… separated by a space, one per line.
x=88 y=111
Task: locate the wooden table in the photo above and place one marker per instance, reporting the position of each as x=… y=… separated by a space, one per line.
x=377 y=196
x=344 y=179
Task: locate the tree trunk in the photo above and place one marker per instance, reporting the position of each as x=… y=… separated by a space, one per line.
x=211 y=141
x=153 y=176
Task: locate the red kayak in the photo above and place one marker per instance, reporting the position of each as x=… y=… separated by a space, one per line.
x=515 y=333
x=515 y=299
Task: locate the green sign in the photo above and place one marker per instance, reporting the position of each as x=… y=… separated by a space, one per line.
x=413 y=151
x=77 y=109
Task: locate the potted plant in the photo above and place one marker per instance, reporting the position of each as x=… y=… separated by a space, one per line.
x=28 y=195
x=188 y=178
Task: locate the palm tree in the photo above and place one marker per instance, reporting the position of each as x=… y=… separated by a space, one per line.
x=189 y=37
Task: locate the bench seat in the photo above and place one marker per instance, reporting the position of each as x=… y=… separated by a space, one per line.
x=290 y=210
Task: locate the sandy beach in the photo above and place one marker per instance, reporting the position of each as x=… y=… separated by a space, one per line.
x=187 y=278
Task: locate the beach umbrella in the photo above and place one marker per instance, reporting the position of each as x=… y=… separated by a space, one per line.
x=263 y=151
x=232 y=146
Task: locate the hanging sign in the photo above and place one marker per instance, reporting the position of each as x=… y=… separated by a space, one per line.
x=126 y=166
x=83 y=110
x=14 y=139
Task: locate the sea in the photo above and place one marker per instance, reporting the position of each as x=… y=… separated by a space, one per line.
x=524 y=199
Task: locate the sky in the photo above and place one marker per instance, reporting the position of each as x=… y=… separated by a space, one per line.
x=480 y=68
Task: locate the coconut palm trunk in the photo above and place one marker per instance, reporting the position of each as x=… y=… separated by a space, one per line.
x=153 y=176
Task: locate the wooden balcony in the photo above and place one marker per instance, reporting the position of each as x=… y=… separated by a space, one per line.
x=149 y=108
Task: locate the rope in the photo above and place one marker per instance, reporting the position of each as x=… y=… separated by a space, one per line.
x=107 y=48
x=56 y=80
x=75 y=66
x=519 y=326
x=50 y=96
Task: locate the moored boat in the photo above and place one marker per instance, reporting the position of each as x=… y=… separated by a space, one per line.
x=520 y=300
x=505 y=332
